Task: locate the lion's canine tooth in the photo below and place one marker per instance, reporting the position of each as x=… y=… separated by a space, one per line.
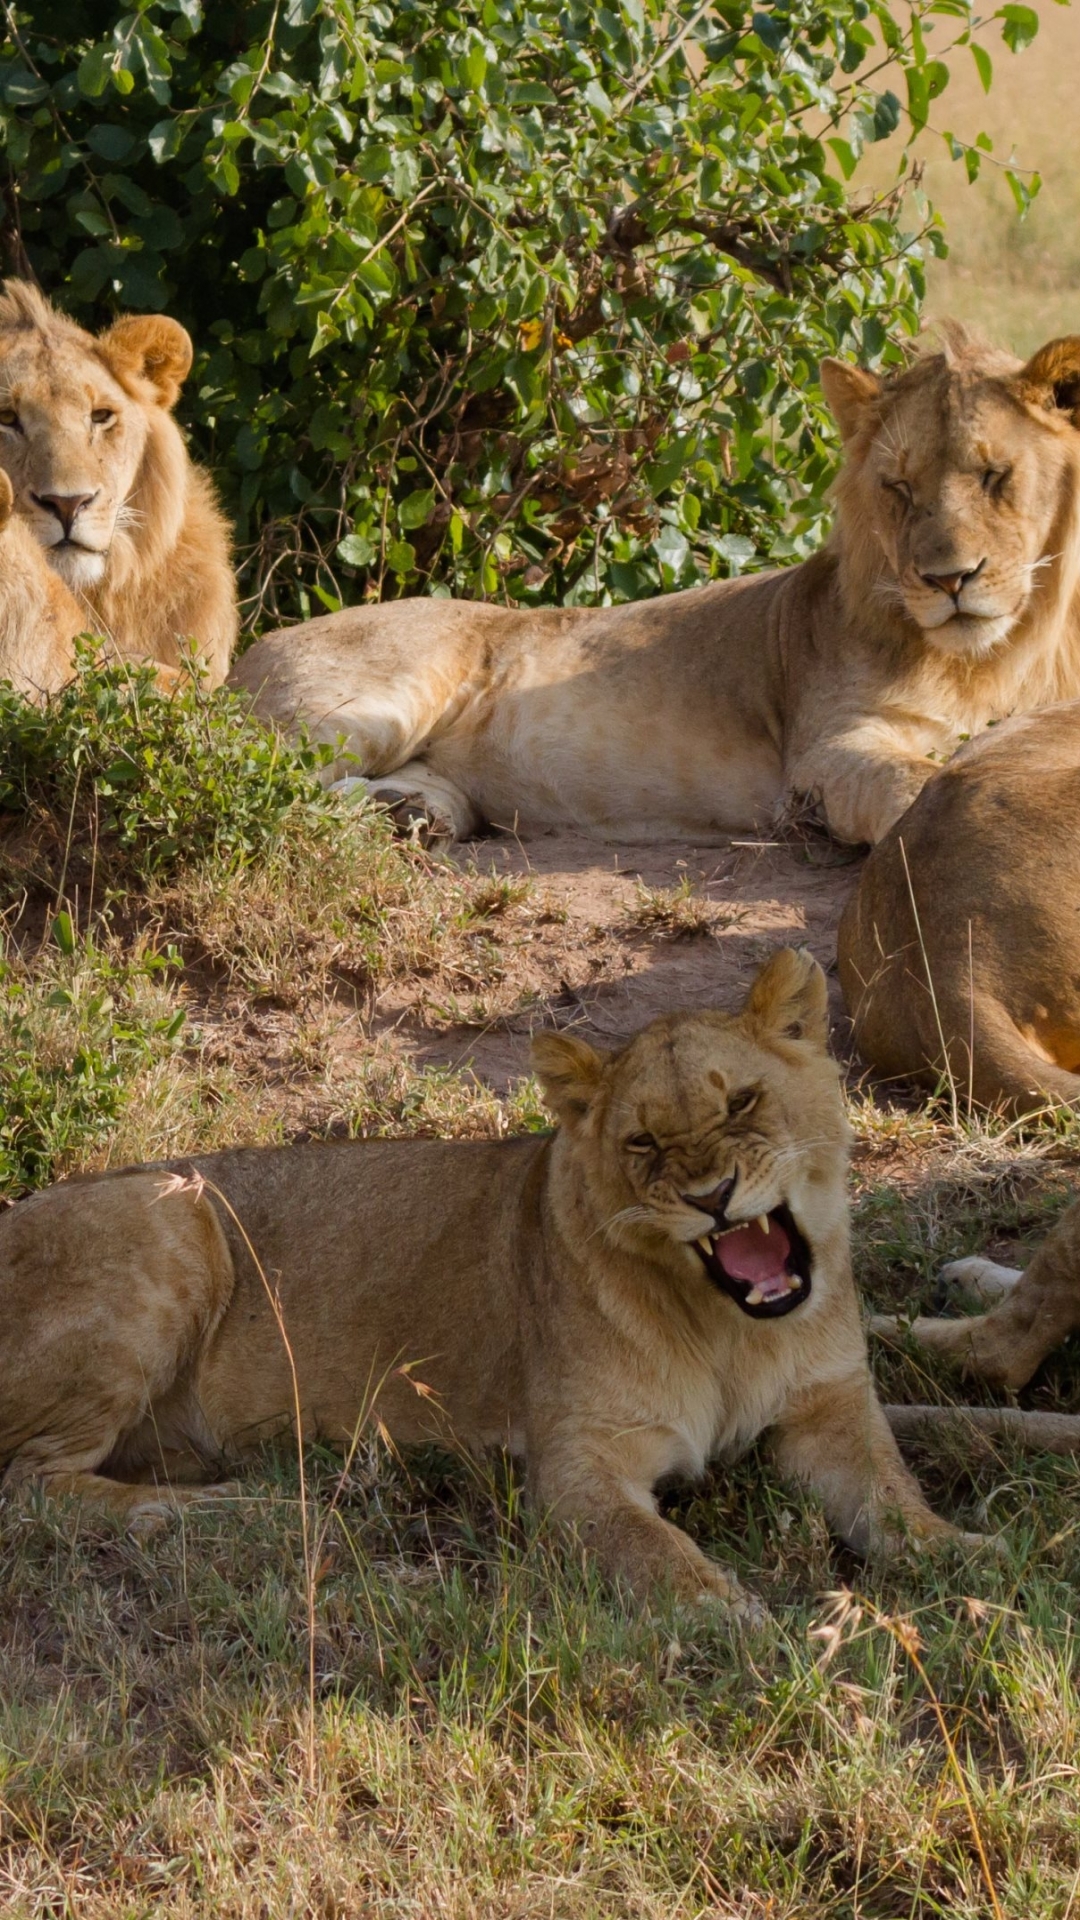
x=763 y=1222
x=755 y=1297
x=704 y=1243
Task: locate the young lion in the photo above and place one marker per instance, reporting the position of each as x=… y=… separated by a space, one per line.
x=654 y=1284
x=104 y=482
x=947 y=598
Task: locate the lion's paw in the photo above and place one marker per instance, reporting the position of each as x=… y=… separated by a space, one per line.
x=982 y=1283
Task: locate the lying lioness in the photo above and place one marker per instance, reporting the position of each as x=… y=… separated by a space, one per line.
x=654 y=1284
x=947 y=598
x=958 y=949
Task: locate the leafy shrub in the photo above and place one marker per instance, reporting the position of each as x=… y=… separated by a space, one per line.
x=154 y=780
x=503 y=298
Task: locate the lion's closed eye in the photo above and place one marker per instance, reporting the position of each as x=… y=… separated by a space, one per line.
x=743 y=1100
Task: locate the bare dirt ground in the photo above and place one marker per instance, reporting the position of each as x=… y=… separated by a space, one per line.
x=608 y=936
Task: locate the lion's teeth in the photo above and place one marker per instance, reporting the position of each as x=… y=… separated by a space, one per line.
x=704 y=1244
x=763 y=1223
x=755 y=1297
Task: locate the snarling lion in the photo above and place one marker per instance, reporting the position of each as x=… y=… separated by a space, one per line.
x=947 y=597
x=958 y=949
x=104 y=481
x=652 y=1285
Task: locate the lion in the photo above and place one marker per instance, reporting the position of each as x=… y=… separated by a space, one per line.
x=653 y=1284
x=104 y=481
x=957 y=951
x=948 y=595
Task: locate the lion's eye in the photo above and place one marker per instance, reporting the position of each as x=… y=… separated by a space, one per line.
x=743 y=1100
x=641 y=1143
x=9 y=418
x=994 y=479
x=102 y=416
x=901 y=489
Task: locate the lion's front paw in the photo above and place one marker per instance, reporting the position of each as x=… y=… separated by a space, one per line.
x=723 y=1593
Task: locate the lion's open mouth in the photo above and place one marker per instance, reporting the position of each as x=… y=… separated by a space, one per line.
x=763 y=1264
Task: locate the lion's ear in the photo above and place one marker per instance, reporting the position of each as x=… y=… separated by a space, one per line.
x=569 y=1071
x=153 y=348
x=789 y=999
x=849 y=391
x=1051 y=378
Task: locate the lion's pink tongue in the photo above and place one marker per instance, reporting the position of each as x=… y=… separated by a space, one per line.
x=747 y=1253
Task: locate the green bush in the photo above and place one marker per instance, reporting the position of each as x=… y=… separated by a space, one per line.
x=155 y=780
x=497 y=298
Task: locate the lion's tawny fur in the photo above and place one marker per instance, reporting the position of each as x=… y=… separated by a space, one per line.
x=148 y=559
x=946 y=599
x=39 y=617
x=540 y=1292
x=957 y=951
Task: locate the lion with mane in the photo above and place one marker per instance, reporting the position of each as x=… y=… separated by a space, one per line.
x=104 y=482
x=946 y=598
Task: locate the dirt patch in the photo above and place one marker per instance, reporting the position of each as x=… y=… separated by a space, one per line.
x=604 y=937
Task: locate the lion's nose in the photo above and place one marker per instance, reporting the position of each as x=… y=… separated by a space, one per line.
x=714 y=1202
x=953 y=583
x=66 y=506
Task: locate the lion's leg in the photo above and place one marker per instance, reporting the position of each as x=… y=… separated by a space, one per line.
x=423 y=805
x=611 y=1508
x=1036 y=1311
x=137 y=1503
x=835 y=1439
x=108 y=1291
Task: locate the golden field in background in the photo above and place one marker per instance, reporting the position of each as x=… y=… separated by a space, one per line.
x=1018 y=281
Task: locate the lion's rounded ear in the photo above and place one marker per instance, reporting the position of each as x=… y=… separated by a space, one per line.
x=569 y=1071
x=849 y=391
x=789 y=999
x=1051 y=378
x=153 y=348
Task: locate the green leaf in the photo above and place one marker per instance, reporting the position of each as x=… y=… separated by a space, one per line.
x=63 y=932
x=93 y=71
x=164 y=140
x=983 y=64
x=847 y=158
x=355 y=550
x=1019 y=26
x=416 y=509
